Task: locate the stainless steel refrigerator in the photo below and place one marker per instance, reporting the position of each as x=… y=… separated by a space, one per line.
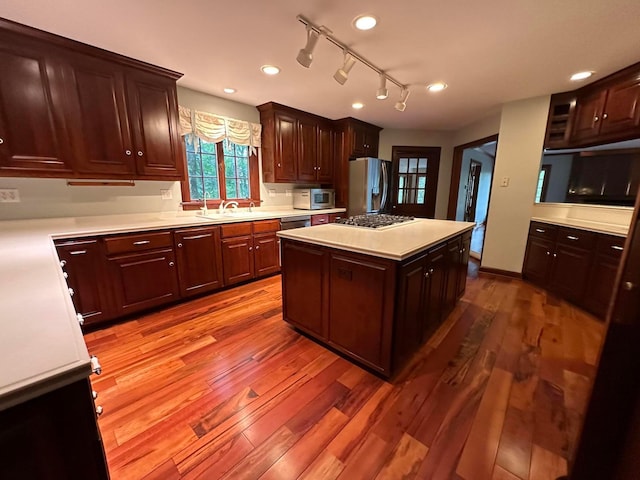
x=369 y=186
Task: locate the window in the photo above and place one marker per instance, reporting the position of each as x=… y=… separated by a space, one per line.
x=543 y=182
x=414 y=180
x=219 y=171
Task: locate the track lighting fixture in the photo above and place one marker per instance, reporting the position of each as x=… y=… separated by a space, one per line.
x=402 y=103
x=382 y=92
x=305 y=55
x=342 y=74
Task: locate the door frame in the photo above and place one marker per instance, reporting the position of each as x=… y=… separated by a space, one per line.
x=456 y=170
x=433 y=155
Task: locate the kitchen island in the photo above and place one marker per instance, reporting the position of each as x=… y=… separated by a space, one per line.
x=374 y=294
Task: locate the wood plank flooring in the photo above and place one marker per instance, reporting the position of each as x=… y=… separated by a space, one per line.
x=221 y=387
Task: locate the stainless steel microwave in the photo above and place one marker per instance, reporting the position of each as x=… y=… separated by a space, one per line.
x=314 y=198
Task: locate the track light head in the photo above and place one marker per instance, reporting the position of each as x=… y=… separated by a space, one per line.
x=342 y=74
x=305 y=55
x=383 y=92
x=402 y=103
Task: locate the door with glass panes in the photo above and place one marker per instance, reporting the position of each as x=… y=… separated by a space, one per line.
x=415 y=181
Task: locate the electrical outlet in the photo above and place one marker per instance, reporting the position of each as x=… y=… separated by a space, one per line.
x=9 y=195
x=288 y=193
x=504 y=182
x=272 y=192
x=166 y=194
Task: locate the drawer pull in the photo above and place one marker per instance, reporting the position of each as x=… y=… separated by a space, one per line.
x=616 y=247
x=71 y=292
x=78 y=252
x=571 y=237
x=540 y=230
x=80 y=318
x=196 y=237
x=142 y=242
x=63 y=263
x=99 y=410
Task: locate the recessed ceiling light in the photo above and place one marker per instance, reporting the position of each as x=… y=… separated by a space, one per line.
x=357 y=105
x=270 y=69
x=365 y=22
x=581 y=75
x=229 y=90
x=436 y=87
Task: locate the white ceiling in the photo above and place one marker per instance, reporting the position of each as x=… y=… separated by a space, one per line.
x=489 y=52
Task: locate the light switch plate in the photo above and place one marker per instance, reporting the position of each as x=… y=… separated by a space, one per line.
x=9 y=195
x=504 y=182
x=166 y=194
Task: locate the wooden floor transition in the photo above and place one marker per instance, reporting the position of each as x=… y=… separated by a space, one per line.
x=221 y=387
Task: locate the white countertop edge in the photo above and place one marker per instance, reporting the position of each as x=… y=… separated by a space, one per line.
x=45 y=382
x=290 y=235
x=599 y=227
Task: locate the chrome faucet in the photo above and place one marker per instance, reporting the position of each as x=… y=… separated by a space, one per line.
x=251 y=205
x=204 y=209
x=223 y=206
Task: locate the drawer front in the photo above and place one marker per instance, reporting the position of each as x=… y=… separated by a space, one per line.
x=320 y=219
x=611 y=245
x=235 y=229
x=266 y=226
x=576 y=238
x=543 y=230
x=137 y=242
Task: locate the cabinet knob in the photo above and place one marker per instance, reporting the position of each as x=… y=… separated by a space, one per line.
x=140 y=153
x=431 y=271
x=426 y=274
x=555 y=255
x=95 y=365
x=278 y=165
x=604 y=116
x=99 y=410
x=127 y=153
x=71 y=292
x=171 y=264
x=179 y=245
x=65 y=275
x=63 y=263
x=250 y=248
x=1 y=141
x=94 y=394
x=257 y=247
x=628 y=286
x=596 y=118
x=80 y=318
x=548 y=253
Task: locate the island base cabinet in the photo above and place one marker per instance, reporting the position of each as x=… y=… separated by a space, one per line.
x=305 y=287
x=361 y=308
x=52 y=437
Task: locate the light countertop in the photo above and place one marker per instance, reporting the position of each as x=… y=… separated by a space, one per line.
x=601 y=227
x=41 y=343
x=398 y=242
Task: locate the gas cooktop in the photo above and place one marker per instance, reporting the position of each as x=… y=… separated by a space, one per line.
x=375 y=220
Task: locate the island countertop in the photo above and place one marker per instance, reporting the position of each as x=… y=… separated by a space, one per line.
x=397 y=242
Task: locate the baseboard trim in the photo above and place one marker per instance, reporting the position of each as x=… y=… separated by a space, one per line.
x=497 y=271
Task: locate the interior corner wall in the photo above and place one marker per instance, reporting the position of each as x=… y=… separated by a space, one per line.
x=420 y=138
x=520 y=143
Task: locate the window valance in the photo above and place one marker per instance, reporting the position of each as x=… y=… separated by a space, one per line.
x=215 y=128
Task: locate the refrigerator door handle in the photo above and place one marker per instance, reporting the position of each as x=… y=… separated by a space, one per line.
x=385 y=187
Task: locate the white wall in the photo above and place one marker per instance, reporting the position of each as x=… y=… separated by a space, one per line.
x=420 y=138
x=521 y=137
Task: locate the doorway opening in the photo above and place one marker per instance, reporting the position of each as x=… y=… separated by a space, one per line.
x=471 y=179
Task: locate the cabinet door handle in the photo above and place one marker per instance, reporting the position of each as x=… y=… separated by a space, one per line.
x=426 y=274
x=80 y=318
x=95 y=365
x=78 y=252
x=250 y=248
x=65 y=275
x=94 y=394
x=604 y=116
x=99 y=410
x=142 y=242
x=196 y=237
x=571 y=237
x=179 y=245
x=596 y=118
x=63 y=263
x=540 y=230
x=71 y=292
x=548 y=253
x=616 y=247
x=278 y=165
x=431 y=271
x=171 y=264
x=555 y=255
x=257 y=247
x=1 y=141
x=127 y=153
x=628 y=286
x=140 y=153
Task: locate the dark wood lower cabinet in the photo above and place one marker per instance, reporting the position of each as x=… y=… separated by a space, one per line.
x=374 y=310
x=237 y=259
x=144 y=280
x=199 y=259
x=52 y=437
x=266 y=252
x=575 y=264
x=82 y=261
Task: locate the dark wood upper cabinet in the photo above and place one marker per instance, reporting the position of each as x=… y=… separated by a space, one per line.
x=75 y=111
x=560 y=121
x=98 y=106
x=199 y=260
x=33 y=133
x=296 y=146
x=622 y=108
x=153 y=110
x=588 y=113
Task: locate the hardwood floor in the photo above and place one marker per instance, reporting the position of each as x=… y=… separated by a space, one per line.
x=221 y=387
